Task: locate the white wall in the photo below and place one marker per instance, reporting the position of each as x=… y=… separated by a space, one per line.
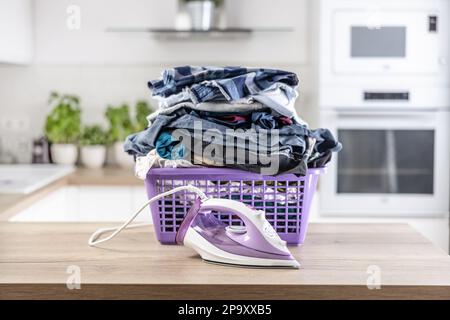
x=110 y=68
x=91 y=45
x=16 y=31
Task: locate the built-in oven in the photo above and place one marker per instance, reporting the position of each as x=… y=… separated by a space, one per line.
x=398 y=42
x=393 y=163
x=383 y=89
x=388 y=41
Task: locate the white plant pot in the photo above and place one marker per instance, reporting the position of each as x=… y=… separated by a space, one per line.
x=64 y=153
x=123 y=159
x=93 y=156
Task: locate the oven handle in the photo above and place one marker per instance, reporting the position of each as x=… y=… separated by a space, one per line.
x=379 y=119
x=386 y=113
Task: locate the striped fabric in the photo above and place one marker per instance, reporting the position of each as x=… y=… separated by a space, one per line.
x=216 y=83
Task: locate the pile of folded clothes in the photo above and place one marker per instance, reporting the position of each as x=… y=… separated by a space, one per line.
x=232 y=117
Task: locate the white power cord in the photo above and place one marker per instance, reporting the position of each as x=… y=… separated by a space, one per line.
x=93 y=240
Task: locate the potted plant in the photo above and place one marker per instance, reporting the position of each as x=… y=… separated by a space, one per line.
x=202 y=13
x=121 y=125
x=93 y=150
x=142 y=110
x=62 y=128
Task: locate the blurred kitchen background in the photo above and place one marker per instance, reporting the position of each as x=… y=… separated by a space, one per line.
x=375 y=72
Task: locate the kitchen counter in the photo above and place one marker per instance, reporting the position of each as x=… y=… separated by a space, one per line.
x=10 y=204
x=336 y=259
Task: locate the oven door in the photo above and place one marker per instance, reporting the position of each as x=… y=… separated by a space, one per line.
x=387 y=42
x=391 y=164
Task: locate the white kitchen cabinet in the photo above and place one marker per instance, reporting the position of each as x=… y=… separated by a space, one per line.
x=16 y=31
x=434 y=229
x=87 y=204
x=139 y=196
x=61 y=205
x=103 y=203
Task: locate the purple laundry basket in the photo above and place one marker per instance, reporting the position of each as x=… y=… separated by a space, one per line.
x=286 y=199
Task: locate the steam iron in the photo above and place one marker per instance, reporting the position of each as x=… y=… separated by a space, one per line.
x=254 y=245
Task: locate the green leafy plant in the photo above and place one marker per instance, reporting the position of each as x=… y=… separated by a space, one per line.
x=120 y=124
x=64 y=121
x=93 y=136
x=143 y=109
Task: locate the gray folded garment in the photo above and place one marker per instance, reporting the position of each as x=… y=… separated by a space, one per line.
x=209 y=107
x=141 y=143
x=289 y=147
x=279 y=97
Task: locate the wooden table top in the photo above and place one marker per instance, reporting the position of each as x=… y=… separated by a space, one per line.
x=336 y=263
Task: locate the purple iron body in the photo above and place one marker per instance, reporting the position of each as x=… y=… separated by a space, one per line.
x=256 y=244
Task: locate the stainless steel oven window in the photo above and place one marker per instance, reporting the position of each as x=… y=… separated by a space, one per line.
x=386 y=161
x=383 y=42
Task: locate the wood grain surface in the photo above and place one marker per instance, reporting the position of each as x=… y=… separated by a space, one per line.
x=335 y=259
